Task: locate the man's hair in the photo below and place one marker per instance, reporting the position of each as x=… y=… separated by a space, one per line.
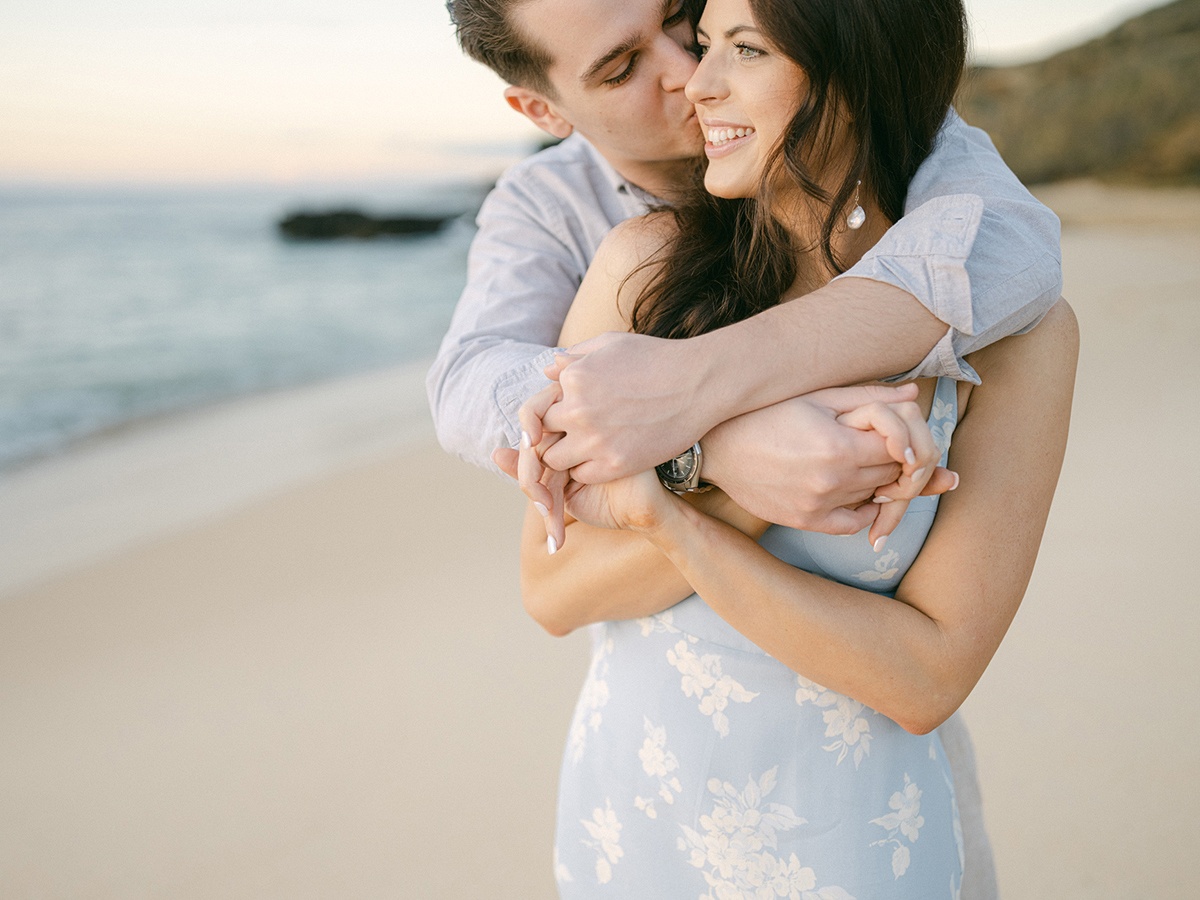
x=487 y=35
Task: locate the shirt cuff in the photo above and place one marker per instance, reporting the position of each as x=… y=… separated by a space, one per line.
x=943 y=359
x=925 y=254
x=516 y=386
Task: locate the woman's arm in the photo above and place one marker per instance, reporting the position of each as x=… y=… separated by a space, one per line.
x=604 y=573
x=915 y=658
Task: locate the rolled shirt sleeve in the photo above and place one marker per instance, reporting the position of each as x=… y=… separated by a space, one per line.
x=974 y=246
x=538 y=232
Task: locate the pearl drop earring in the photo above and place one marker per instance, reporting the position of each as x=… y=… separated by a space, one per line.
x=857 y=216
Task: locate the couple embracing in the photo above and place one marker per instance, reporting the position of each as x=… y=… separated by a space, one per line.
x=792 y=584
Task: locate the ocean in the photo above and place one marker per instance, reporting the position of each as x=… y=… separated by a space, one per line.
x=119 y=304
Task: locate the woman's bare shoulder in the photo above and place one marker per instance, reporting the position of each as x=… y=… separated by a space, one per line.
x=624 y=264
x=627 y=256
x=1038 y=366
x=1050 y=347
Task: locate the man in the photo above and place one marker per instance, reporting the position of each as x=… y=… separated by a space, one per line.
x=974 y=259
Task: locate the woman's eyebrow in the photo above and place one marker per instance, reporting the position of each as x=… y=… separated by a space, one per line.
x=735 y=30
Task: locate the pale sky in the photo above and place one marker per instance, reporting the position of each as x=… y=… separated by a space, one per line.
x=299 y=90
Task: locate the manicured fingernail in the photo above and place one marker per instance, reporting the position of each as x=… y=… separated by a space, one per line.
x=909 y=456
x=879 y=543
x=526 y=443
x=955 y=485
x=916 y=476
x=541 y=509
x=882 y=500
x=551 y=544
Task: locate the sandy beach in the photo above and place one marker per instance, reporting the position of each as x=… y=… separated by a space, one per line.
x=276 y=649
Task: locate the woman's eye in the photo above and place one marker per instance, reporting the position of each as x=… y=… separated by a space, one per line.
x=700 y=50
x=747 y=52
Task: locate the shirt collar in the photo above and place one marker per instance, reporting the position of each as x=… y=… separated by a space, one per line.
x=619 y=183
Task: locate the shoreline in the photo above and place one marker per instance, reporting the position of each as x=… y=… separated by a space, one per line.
x=163 y=474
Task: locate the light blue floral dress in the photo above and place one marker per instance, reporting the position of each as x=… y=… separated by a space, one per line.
x=700 y=768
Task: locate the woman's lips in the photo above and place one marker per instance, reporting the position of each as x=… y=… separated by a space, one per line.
x=724 y=148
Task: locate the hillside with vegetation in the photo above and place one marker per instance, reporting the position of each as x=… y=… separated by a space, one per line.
x=1124 y=106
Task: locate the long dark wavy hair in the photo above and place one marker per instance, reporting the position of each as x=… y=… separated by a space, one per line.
x=888 y=69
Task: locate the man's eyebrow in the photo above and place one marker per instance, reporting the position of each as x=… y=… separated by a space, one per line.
x=630 y=43
x=620 y=50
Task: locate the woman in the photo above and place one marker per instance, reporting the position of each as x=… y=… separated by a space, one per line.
x=777 y=737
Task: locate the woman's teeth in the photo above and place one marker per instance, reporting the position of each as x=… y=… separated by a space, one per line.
x=719 y=136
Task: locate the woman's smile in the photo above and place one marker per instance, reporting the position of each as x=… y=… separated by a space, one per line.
x=722 y=139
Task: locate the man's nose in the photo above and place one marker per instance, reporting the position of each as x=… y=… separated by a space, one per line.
x=680 y=64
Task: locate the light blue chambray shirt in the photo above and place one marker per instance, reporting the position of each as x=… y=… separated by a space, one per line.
x=974 y=247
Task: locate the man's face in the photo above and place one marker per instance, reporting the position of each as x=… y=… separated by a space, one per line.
x=619 y=69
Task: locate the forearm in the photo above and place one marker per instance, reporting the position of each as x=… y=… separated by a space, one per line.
x=475 y=390
x=599 y=575
x=878 y=650
x=603 y=574
x=848 y=332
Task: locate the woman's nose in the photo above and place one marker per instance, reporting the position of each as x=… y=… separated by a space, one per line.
x=705 y=85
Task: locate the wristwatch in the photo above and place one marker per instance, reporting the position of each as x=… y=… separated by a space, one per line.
x=682 y=474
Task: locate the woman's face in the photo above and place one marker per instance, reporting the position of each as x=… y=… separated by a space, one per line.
x=745 y=93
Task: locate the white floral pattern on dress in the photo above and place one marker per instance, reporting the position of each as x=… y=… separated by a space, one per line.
x=605 y=833
x=660 y=623
x=885 y=568
x=734 y=850
x=591 y=700
x=941 y=424
x=702 y=677
x=842 y=722
x=906 y=819
x=658 y=762
x=561 y=874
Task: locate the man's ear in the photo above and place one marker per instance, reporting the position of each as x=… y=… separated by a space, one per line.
x=537 y=109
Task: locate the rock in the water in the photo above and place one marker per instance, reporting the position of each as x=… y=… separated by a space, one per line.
x=350 y=223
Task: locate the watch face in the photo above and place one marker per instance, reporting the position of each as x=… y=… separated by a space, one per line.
x=680 y=469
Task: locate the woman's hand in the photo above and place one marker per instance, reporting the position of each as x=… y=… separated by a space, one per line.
x=633 y=501
x=636 y=502
x=910 y=443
